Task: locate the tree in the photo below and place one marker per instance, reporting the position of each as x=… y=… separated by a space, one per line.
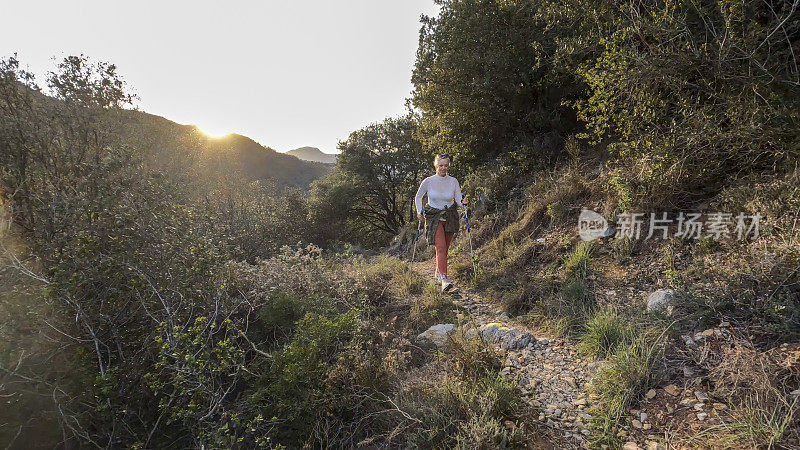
x=487 y=77
x=370 y=194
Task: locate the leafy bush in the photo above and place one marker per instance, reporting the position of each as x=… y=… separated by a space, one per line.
x=295 y=387
x=667 y=108
x=278 y=315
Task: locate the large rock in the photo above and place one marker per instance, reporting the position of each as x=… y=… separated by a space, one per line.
x=507 y=338
x=661 y=300
x=436 y=336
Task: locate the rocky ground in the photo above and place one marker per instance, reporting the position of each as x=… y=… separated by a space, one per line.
x=552 y=374
x=554 y=378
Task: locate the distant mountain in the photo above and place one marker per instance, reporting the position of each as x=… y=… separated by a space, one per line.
x=253 y=159
x=166 y=141
x=312 y=154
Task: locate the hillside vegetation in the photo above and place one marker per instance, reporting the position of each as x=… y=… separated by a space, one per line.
x=160 y=299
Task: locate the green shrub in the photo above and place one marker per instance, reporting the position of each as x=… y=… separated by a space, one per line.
x=193 y=363
x=644 y=98
x=279 y=313
x=295 y=388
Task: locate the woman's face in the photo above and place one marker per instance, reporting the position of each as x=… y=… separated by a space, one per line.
x=441 y=166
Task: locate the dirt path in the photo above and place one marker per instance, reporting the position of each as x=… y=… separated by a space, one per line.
x=552 y=374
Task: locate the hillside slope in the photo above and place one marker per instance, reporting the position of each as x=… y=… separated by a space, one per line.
x=684 y=335
x=258 y=161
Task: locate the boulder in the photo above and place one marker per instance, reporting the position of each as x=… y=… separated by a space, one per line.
x=507 y=338
x=436 y=336
x=660 y=300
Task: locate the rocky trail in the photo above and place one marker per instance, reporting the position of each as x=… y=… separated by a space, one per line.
x=554 y=377
x=552 y=374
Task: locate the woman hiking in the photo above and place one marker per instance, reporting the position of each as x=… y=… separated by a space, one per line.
x=441 y=213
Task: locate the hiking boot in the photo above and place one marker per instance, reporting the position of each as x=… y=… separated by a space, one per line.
x=446 y=284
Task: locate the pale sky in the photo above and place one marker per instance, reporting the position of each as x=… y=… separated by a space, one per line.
x=285 y=73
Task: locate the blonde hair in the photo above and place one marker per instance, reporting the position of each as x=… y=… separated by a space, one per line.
x=441 y=156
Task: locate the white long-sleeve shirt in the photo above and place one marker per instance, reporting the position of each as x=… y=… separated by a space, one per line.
x=442 y=191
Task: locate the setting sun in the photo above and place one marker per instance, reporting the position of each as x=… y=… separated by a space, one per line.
x=212 y=132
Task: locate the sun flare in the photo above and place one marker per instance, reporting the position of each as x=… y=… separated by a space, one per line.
x=211 y=132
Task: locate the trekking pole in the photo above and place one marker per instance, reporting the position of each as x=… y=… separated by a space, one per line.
x=471 y=253
x=414 y=244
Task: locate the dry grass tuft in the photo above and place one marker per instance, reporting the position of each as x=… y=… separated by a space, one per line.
x=758 y=385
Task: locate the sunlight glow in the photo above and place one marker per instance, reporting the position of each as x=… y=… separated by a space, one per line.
x=211 y=132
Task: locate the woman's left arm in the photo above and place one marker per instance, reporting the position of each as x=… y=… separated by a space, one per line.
x=458 y=198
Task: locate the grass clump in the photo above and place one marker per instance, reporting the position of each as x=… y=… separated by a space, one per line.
x=408 y=283
x=457 y=413
x=430 y=308
x=576 y=264
x=758 y=386
x=554 y=326
x=623 y=249
x=576 y=302
x=385 y=269
x=387 y=276
x=604 y=332
x=628 y=374
x=561 y=308
x=467 y=406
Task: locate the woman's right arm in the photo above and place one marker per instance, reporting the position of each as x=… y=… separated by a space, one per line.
x=423 y=187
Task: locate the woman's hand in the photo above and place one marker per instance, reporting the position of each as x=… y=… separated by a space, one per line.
x=421 y=217
x=465 y=200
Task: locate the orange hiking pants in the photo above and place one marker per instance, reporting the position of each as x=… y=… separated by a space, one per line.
x=441 y=241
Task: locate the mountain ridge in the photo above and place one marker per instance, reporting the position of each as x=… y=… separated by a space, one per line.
x=312 y=154
x=255 y=160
